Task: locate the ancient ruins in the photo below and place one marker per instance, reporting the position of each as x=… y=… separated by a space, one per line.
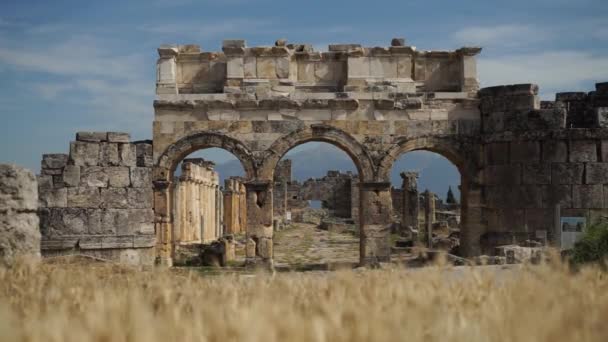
x=523 y=163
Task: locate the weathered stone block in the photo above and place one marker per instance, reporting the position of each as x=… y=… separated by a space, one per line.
x=496 y=153
x=71 y=175
x=114 y=220
x=84 y=153
x=128 y=154
x=54 y=161
x=557 y=194
x=555 y=151
x=537 y=173
x=18 y=190
x=19 y=232
x=587 y=196
x=93 y=176
x=45 y=183
x=114 y=198
x=118 y=177
x=108 y=154
x=140 y=198
x=526 y=152
x=117 y=137
x=91 y=136
x=596 y=173
x=583 y=151
x=144 y=155
x=54 y=198
x=84 y=197
x=529 y=196
x=141 y=177
x=567 y=173
x=141 y=221
x=502 y=174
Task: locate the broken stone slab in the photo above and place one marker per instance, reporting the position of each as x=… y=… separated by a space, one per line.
x=234 y=43
x=18 y=190
x=92 y=136
x=343 y=47
x=398 y=42
x=508 y=90
x=54 y=161
x=118 y=137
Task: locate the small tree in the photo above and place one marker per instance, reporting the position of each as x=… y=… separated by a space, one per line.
x=450 y=198
x=593 y=247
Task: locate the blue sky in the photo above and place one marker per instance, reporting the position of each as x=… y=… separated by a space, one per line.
x=67 y=66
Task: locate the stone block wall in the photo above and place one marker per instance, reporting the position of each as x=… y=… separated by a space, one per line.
x=198 y=210
x=527 y=171
x=98 y=199
x=19 y=224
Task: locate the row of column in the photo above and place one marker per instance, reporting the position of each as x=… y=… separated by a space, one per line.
x=198 y=205
x=375 y=208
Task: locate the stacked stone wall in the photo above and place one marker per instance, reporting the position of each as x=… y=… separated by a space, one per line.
x=527 y=173
x=19 y=224
x=98 y=199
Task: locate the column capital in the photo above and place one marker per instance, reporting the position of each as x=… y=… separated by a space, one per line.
x=258 y=184
x=161 y=185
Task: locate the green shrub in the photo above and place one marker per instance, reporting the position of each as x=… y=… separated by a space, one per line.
x=593 y=247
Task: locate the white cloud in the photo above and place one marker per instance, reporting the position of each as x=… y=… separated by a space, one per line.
x=209 y=29
x=86 y=72
x=553 y=71
x=500 y=35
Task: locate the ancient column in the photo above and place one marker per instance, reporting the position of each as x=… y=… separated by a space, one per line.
x=162 y=222
x=259 y=219
x=410 y=203
x=429 y=217
x=375 y=221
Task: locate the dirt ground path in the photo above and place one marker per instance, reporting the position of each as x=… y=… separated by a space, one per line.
x=304 y=244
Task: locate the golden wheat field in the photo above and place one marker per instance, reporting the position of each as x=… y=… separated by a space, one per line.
x=99 y=302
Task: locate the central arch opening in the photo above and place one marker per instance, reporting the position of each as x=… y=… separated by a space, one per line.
x=427 y=205
x=208 y=209
x=316 y=207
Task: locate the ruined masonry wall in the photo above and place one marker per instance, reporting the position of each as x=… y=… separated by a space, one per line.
x=98 y=199
x=527 y=173
x=19 y=233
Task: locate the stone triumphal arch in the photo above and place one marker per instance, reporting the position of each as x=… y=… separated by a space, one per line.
x=517 y=159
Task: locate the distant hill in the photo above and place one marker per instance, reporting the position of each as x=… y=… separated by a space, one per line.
x=314 y=160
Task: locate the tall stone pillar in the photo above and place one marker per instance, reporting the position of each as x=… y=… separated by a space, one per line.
x=166 y=70
x=410 y=204
x=429 y=217
x=375 y=221
x=162 y=222
x=259 y=219
x=468 y=69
